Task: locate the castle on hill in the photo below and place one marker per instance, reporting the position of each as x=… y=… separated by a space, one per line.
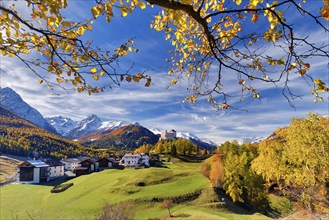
x=168 y=135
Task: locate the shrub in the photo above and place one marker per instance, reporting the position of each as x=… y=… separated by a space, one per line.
x=61 y=187
x=167 y=204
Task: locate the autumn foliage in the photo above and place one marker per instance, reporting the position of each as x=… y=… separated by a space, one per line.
x=216 y=174
x=209 y=39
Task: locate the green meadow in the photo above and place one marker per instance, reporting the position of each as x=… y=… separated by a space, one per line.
x=143 y=188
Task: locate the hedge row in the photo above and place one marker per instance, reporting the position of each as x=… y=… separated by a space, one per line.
x=176 y=199
x=61 y=187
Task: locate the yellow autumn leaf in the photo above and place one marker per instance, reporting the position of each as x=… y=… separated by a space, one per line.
x=102 y=73
x=238 y=2
x=254 y=2
x=46 y=52
x=95 y=11
x=128 y=78
x=96 y=77
x=282 y=61
x=81 y=30
x=59 y=80
x=142 y=5
x=93 y=70
x=302 y=72
x=136 y=79
x=325 y=12
x=124 y=11
x=254 y=18
x=68 y=48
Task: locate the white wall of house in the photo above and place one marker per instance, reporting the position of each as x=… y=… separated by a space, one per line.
x=68 y=165
x=135 y=159
x=131 y=160
x=56 y=171
x=145 y=160
x=36 y=175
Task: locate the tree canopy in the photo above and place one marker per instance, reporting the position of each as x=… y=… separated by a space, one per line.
x=210 y=39
x=297 y=157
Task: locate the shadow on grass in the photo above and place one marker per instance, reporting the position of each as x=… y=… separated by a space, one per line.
x=181 y=215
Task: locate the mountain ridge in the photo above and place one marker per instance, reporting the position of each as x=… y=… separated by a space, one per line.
x=23 y=138
x=12 y=101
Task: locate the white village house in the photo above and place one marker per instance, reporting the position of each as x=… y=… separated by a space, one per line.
x=56 y=169
x=132 y=160
x=71 y=164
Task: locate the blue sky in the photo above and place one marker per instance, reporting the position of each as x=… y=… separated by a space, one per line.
x=158 y=106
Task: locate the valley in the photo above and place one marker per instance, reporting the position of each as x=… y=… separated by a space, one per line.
x=146 y=168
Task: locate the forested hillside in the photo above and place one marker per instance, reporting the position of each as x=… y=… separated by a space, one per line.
x=127 y=137
x=20 y=137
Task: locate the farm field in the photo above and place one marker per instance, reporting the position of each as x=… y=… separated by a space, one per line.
x=7 y=167
x=143 y=188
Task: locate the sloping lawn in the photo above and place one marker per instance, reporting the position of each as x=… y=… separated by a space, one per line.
x=86 y=198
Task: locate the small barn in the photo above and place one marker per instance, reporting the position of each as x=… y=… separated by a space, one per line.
x=87 y=166
x=104 y=163
x=33 y=171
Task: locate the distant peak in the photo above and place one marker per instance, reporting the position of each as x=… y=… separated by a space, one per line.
x=92 y=117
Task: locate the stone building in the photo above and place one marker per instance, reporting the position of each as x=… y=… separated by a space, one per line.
x=168 y=135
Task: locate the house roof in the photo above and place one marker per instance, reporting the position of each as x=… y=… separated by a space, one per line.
x=36 y=163
x=53 y=163
x=90 y=160
x=75 y=160
x=106 y=158
x=132 y=155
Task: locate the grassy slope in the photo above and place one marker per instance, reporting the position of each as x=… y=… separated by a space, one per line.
x=86 y=198
x=7 y=167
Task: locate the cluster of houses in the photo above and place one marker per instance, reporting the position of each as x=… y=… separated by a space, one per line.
x=37 y=171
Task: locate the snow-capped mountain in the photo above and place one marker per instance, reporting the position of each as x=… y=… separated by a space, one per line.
x=250 y=140
x=201 y=142
x=111 y=125
x=156 y=131
x=63 y=125
x=187 y=135
x=10 y=100
x=86 y=126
